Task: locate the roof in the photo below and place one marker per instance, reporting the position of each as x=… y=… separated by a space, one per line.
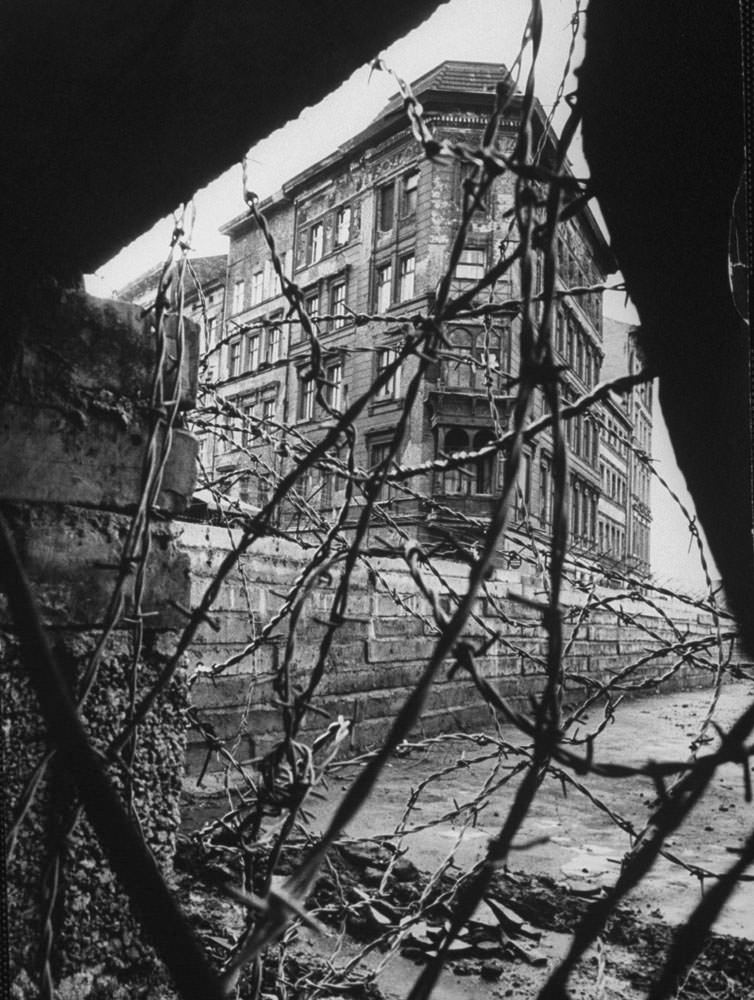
x=437 y=90
x=207 y=270
x=454 y=77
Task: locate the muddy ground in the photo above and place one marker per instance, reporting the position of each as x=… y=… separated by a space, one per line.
x=569 y=849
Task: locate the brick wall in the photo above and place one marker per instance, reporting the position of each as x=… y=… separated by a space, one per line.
x=380 y=651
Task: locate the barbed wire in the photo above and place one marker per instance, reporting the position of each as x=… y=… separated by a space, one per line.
x=267 y=813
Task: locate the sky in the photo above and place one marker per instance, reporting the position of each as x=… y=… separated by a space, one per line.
x=481 y=30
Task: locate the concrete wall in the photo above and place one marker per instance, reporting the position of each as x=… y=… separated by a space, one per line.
x=381 y=649
x=73 y=410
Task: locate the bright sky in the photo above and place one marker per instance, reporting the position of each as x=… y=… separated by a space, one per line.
x=481 y=30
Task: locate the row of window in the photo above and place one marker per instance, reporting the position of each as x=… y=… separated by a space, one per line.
x=329 y=233
x=612 y=538
x=641 y=483
x=242 y=430
x=387 y=290
x=582 y=501
x=613 y=484
x=401 y=192
x=582 y=437
x=615 y=436
x=577 y=270
x=573 y=345
x=246 y=353
x=478 y=355
x=265 y=284
x=640 y=540
x=334 y=391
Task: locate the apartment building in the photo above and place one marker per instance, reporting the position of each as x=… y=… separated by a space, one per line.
x=366 y=234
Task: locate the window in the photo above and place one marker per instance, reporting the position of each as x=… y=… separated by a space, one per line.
x=560 y=334
x=244 y=488
x=257 y=287
x=238 y=295
x=456 y=481
x=263 y=490
x=484 y=466
x=254 y=352
x=385 y=357
x=343 y=226
x=248 y=426
x=472 y=265
x=234 y=359
x=379 y=453
x=325 y=496
x=384 y=287
x=544 y=493
x=312 y=305
x=580 y=356
x=459 y=370
x=334 y=389
x=408 y=193
x=316 y=243
x=386 y=203
x=306 y=391
x=274 y=339
x=506 y=347
x=211 y=330
x=406 y=278
x=338 y=303
x=268 y=408
x=575 y=508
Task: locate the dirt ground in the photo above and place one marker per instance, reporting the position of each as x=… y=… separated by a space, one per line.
x=568 y=849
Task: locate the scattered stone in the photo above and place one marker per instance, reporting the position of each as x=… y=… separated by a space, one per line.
x=492 y=969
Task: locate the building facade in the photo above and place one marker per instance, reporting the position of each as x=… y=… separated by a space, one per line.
x=366 y=234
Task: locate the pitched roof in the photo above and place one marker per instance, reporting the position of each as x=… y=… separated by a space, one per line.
x=207 y=269
x=453 y=77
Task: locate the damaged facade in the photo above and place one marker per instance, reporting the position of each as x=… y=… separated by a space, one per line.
x=367 y=232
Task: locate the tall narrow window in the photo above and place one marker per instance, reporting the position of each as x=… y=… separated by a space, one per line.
x=544 y=493
x=561 y=337
x=378 y=454
x=211 y=330
x=312 y=305
x=325 y=496
x=306 y=391
x=409 y=189
x=238 y=295
x=249 y=424
x=386 y=209
x=268 y=409
x=384 y=287
x=385 y=357
x=484 y=466
x=316 y=243
x=234 y=359
x=343 y=226
x=253 y=352
x=257 y=287
x=274 y=340
x=338 y=303
x=334 y=388
x=406 y=276
x=456 y=481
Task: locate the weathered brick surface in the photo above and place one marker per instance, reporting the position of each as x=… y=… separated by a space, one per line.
x=377 y=657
